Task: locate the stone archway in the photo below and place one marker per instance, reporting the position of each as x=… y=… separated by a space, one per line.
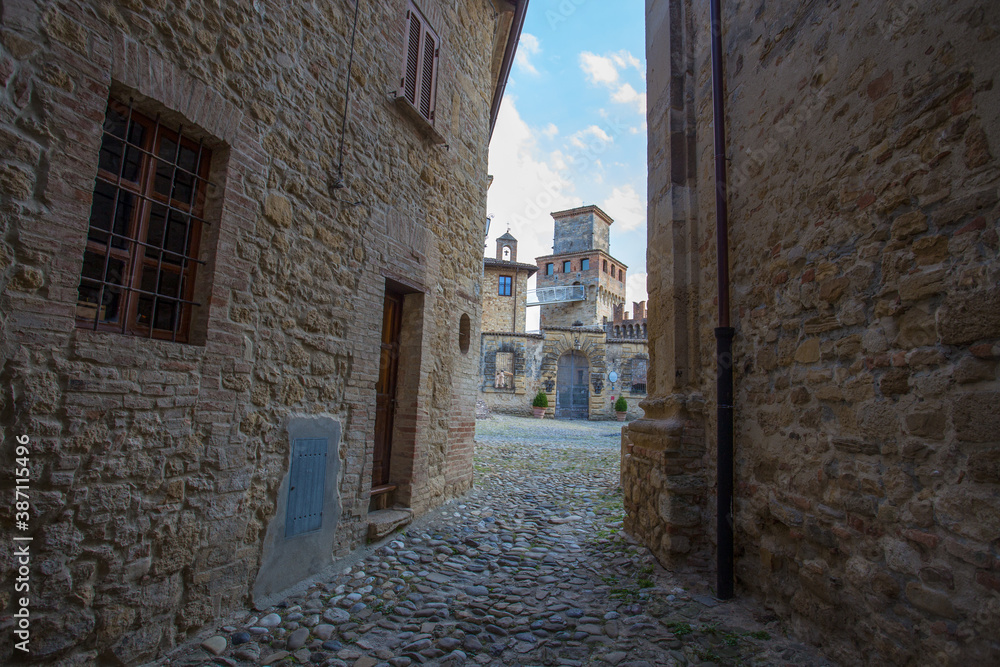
x=573 y=386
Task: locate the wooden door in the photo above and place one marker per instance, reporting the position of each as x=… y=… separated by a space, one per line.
x=573 y=386
x=385 y=389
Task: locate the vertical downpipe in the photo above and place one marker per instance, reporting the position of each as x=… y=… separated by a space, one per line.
x=724 y=332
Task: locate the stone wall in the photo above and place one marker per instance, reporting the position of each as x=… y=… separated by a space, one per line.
x=619 y=357
x=863 y=225
x=505 y=313
x=155 y=466
x=579 y=229
x=527 y=351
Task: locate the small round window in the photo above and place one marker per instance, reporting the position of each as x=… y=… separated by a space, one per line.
x=464 y=333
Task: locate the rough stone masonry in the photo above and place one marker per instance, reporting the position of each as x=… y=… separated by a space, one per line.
x=159 y=468
x=866 y=300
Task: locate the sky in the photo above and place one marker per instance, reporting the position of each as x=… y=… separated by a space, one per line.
x=572 y=131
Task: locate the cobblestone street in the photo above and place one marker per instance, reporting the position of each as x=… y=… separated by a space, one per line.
x=531 y=568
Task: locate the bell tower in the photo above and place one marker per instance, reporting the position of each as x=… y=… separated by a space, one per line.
x=507 y=247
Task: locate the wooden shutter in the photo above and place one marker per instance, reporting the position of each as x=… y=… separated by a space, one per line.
x=306 y=486
x=419 y=81
x=414 y=27
x=427 y=76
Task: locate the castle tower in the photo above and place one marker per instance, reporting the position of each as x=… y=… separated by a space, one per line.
x=581 y=259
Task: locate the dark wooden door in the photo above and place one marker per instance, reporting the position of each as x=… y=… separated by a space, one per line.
x=385 y=389
x=573 y=387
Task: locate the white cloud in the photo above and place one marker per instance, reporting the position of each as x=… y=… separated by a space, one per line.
x=528 y=185
x=635 y=289
x=626 y=94
x=526 y=48
x=599 y=69
x=550 y=130
x=607 y=71
x=625 y=59
x=592 y=136
x=626 y=207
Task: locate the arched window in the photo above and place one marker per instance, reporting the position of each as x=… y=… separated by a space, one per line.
x=506 y=253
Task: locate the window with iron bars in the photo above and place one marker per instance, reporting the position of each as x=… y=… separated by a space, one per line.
x=639 y=366
x=504 y=376
x=146 y=224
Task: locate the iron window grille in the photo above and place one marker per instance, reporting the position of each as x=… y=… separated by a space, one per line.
x=418 y=83
x=504 y=375
x=140 y=261
x=503 y=289
x=639 y=367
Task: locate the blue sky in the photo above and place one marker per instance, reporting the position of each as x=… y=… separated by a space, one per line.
x=572 y=130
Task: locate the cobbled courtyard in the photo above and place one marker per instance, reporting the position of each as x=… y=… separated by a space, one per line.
x=530 y=568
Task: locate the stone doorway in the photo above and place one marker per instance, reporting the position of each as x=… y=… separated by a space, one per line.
x=572 y=386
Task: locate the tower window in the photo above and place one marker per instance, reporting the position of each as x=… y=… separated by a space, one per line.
x=550 y=268
x=567 y=266
x=504 y=286
x=584 y=264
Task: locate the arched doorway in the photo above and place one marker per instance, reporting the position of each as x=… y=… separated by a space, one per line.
x=572 y=386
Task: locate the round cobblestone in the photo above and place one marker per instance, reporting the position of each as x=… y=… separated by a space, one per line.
x=531 y=567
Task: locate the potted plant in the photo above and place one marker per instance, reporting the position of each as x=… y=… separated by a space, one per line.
x=539 y=404
x=621 y=408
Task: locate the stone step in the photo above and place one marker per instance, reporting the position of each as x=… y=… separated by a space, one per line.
x=383 y=522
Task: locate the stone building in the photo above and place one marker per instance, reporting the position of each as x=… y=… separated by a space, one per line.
x=505 y=288
x=581 y=256
x=864 y=268
x=240 y=271
x=578 y=359
x=509 y=356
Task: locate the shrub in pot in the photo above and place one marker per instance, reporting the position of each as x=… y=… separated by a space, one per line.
x=621 y=408
x=539 y=404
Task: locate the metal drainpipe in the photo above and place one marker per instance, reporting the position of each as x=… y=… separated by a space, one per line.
x=724 y=332
x=513 y=291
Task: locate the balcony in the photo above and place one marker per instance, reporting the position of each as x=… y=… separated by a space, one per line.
x=559 y=294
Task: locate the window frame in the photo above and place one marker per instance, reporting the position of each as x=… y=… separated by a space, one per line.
x=567 y=266
x=550 y=269
x=509 y=374
x=635 y=362
x=134 y=256
x=507 y=281
x=418 y=79
x=585 y=264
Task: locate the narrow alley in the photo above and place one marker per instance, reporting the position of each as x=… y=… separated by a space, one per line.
x=530 y=568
